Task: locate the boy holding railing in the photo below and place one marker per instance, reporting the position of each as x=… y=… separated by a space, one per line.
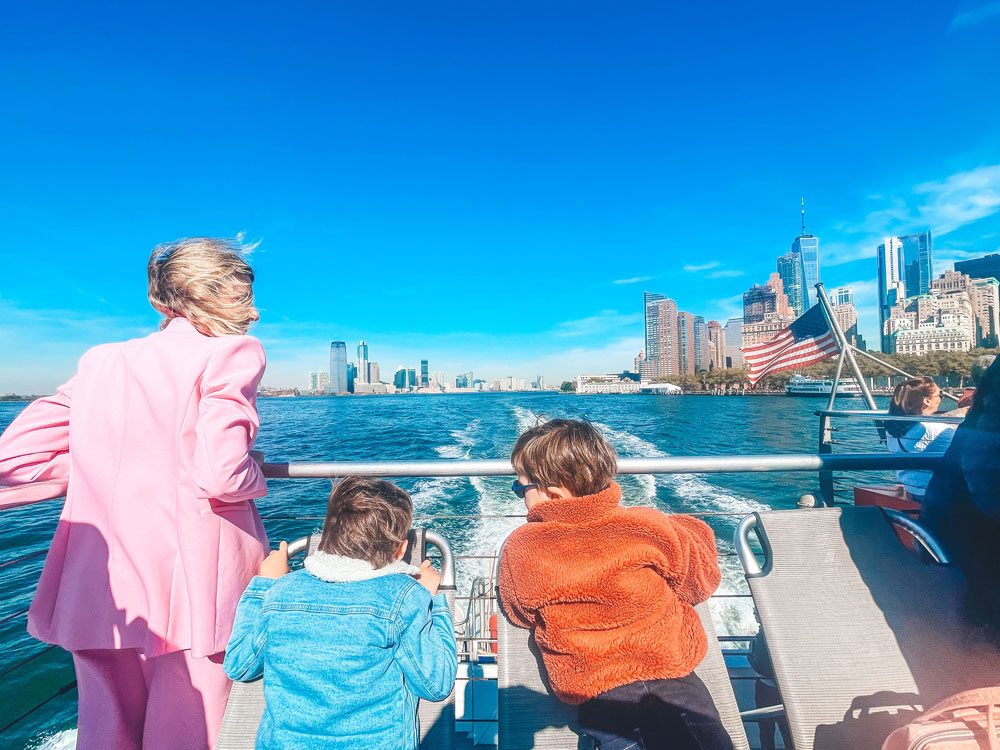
x=610 y=594
x=347 y=645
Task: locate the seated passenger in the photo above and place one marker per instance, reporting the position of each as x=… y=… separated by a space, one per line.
x=916 y=397
x=347 y=645
x=609 y=592
x=976 y=372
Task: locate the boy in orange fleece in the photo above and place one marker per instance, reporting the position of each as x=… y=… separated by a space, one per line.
x=609 y=592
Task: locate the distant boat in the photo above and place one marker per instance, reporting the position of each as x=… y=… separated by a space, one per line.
x=800 y=385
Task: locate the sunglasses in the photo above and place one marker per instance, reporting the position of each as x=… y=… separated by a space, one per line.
x=520 y=489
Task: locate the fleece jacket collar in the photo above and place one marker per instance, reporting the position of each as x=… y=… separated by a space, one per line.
x=339 y=569
x=578 y=509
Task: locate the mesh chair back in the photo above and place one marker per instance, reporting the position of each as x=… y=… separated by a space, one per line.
x=861 y=632
x=246 y=700
x=531 y=716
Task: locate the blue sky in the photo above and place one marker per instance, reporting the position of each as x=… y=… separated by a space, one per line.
x=490 y=186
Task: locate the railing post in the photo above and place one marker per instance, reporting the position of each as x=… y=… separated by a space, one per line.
x=826 y=446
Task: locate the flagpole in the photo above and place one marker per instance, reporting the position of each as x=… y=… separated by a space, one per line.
x=836 y=379
x=896 y=369
x=845 y=348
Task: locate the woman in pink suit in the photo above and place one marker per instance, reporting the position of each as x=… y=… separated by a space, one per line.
x=159 y=534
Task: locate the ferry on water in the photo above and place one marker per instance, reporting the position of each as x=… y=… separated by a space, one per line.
x=800 y=385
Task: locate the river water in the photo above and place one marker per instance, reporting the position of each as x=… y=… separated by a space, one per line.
x=415 y=427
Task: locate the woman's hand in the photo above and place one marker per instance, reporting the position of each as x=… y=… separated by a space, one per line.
x=275 y=564
x=429 y=578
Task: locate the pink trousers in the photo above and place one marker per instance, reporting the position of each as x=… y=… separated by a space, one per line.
x=130 y=702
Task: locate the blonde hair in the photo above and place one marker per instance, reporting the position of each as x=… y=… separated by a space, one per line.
x=566 y=453
x=204 y=280
x=366 y=519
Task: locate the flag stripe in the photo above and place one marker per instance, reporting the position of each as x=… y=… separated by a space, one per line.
x=791 y=348
x=803 y=359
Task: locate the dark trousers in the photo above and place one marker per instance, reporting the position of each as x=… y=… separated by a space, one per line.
x=768 y=695
x=677 y=714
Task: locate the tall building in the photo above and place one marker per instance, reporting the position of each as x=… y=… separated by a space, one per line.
x=363 y=362
x=651 y=311
x=987 y=267
x=424 y=379
x=717 y=345
x=338 y=367
x=793 y=281
x=918 y=265
x=846 y=314
x=373 y=373
x=987 y=312
x=687 y=357
x=319 y=381
x=806 y=246
x=702 y=350
x=905 y=269
x=352 y=375
x=461 y=381
x=762 y=299
x=734 y=342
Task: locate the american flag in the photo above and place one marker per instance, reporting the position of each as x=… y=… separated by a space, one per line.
x=805 y=342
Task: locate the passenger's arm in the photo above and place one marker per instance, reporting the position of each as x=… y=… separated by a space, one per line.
x=245 y=652
x=511 y=559
x=35 y=446
x=227 y=423
x=691 y=564
x=426 y=648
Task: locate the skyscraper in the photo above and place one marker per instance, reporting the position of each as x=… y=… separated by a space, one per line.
x=793 y=281
x=734 y=341
x=424 y=378
x=338 y=367
x=905 y=265
x=702 y=353
x=918 y=263
x=363 y=362
x=686 y=353
x=987 y=267
x=352 y=374
x=806 y=246
x=651 y=309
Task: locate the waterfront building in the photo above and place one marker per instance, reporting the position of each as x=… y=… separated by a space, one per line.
x=931 y=339
x=363 y=362
x=793 y=280
x=606 y=384
x=987 y=312
x=651 y=311
x=734 y=342
x=319 y=381
x=639 y=361
x=987 y=267
x=352 y=376
x=373 y=372
x=399 y=379
x=461 y=381
x=469 y=379
x=685 y=344
x=846 y=314
x=338 y=367
x=918 y=265
x=424 y=380
x=437 y=379
x=766 y=329
x=702 y=351
x=717 y=345
x=842 y=295
x=762 y=299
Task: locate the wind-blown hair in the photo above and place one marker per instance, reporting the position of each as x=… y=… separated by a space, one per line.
x=366 y=519
x=204 y=280
x=908 y=401
x=566 y=453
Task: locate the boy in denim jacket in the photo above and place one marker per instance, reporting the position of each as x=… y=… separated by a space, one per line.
x=347 y=645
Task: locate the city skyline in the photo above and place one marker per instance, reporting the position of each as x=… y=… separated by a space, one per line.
x=469 y=188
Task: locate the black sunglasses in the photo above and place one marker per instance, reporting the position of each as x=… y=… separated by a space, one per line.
x=520 y=489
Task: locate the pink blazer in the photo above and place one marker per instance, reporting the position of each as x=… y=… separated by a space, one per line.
x=159 y=534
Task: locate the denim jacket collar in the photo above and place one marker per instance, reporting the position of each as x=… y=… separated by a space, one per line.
x=339 y=569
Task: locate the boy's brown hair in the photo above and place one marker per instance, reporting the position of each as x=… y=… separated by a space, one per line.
x=366 y=519
x=566 y=453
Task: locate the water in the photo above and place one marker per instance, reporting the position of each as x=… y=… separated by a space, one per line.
x=454 y=426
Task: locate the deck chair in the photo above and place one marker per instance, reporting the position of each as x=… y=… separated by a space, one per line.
x=863 y=635
x=530 y=715
x=246 y=701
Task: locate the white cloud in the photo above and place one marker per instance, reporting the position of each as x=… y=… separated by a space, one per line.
x=975 y=16
x=634 y=280
x=606 y=321
x=942 y=206
x=728 y=274
x=703 y=267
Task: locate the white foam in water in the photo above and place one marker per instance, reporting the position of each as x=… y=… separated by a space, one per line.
x=65 y=740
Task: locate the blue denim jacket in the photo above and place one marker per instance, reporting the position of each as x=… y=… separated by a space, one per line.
x=343 y=662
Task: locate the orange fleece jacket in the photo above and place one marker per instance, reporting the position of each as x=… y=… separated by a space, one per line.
x=609 y=591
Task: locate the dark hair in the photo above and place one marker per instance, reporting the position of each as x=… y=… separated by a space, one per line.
x=908 y=401
x=566 y=453
x=366 y=519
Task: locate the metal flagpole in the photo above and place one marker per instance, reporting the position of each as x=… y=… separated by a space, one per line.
x=844 y=346
x=896 y=369
x=836 y=378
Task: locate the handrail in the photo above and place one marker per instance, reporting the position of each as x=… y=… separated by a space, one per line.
x=884 y=416
x=663 y=465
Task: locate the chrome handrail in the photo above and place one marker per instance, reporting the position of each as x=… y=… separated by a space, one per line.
x=660 y=465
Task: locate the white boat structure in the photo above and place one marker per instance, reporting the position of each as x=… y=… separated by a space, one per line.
x=801 y=385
